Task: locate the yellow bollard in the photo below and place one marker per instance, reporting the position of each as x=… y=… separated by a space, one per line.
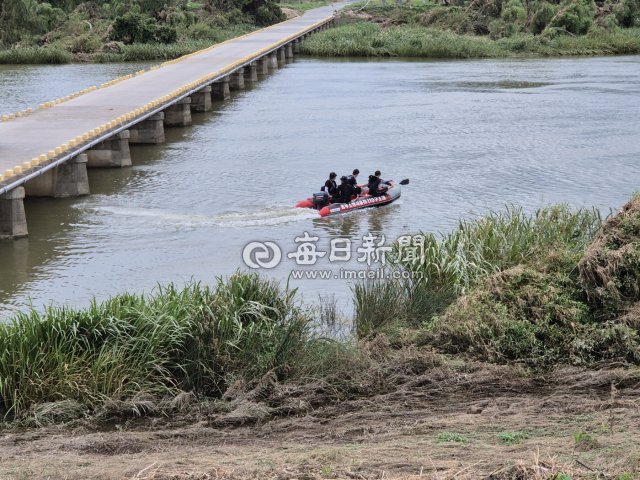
x=29 y=110
x=57 y=101
x=11 y=116
x=24 y=112
x=35 y=162
x=127 y=116
x=18 y=114
x=5 y=118
x=92 y=133
x=26 y=165
x=43 y=158
x=67 y=98
x=41 y=106
x=103 y=128
x=52 y=154
x=17 y=170
x=86 y=90
x=72 y=143
x=64 y=147
x=1 y=178
x=79 y=139
x=85 y=136
x=8 y=173
x=58 y=150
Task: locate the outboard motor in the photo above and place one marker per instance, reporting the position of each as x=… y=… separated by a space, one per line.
x=320 y=199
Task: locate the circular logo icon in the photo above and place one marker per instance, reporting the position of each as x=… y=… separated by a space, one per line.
x=261 y=255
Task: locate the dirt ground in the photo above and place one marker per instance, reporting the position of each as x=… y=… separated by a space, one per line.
x=488 y=423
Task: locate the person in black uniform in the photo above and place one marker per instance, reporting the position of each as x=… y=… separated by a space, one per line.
x=345 y=191
x=351 y=180
x=377 y=186
x=330 y=186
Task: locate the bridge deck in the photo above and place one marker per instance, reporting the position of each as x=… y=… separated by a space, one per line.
x=25 y=138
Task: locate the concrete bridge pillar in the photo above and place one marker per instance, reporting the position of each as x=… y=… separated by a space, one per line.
x=13 y=221
x=201 y=100
x=273 y=60
x=288 y=50
x=148 y=131
x=236 y=80
x=178 y=114
x=220 y=89
x=110 y=153
x=296 y=46
x=68 y=179
x=262 y=65
x=281 y=55
x=251 y=73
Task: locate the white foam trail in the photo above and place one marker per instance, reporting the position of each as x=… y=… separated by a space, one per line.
x=269 y=216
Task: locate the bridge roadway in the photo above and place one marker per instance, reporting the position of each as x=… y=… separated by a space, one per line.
x=39 y=133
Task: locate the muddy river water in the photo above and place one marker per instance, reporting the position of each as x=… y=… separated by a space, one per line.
x=472 y=136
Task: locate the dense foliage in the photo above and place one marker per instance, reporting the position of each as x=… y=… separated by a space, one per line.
x=92 y=28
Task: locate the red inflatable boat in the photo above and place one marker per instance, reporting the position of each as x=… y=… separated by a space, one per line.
x=320 y=202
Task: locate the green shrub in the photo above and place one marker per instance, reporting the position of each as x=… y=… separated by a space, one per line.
x=454 y=19
x=627 y=13
x=134 y=28
x=575 y=18
x=166 y=34
x=543 y=13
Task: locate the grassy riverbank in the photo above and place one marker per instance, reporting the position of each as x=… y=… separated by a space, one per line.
x=536 y=311
x=530 y=290
x=483 y=29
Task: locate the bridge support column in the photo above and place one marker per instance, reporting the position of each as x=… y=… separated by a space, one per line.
x=250 y=73
x=66 y=180
x=149 y=131
x=263 y=65
x=273 y=60
x=236 y=80
x=178 y=114
x=13 y=221
x=201 y=100
x=296 y=46
x=288 y=50
x=281 y=56
x=220 y=89
x=111 y=153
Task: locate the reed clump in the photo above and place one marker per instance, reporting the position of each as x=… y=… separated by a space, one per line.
x=35 y=55
x=192 y=339
x=366 y=39
x=506 y=288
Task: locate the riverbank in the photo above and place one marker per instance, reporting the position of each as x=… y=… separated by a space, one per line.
x=524 y=338
x=88 y=32
x=481 y=29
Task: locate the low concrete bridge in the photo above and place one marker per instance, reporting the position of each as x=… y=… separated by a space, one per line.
x=45 y=151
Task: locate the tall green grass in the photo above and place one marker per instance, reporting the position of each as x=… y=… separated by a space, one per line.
x=449 y=265
x=195 y=338
x=34 y=55
x=371 y=40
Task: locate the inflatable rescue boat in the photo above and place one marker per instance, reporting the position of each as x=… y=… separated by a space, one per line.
x=320 y=201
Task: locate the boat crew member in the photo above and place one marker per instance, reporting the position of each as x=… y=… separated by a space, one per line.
x=330 y=186
x=345 y=191
x=351 y=180
x=377 y=186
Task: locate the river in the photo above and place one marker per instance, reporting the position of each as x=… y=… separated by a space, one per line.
x=472 y=136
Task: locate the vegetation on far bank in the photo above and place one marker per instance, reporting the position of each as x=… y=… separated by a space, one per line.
x=484 y=28
x=62 y=31
x=558 y=287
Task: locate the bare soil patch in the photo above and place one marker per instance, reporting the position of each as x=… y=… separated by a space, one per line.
x=442 y=423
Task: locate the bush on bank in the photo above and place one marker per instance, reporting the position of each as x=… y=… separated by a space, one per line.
x=89 y=29
x=371 y=40
x=534 y=290
x=195 y=339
